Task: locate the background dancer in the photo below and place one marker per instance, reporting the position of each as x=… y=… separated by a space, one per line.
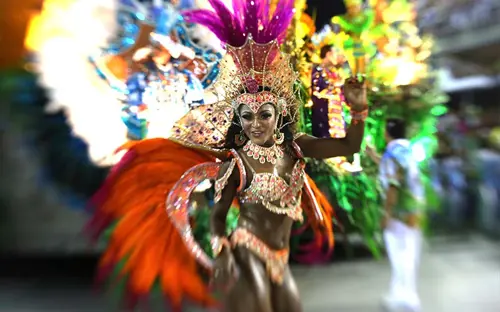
x=403 y=208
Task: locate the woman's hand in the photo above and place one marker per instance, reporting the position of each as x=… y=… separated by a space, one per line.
x=225 y=271
x=355 y=94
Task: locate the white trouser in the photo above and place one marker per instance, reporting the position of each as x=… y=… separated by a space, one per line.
x=403 y=244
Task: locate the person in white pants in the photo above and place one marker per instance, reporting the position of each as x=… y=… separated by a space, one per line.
x=404 y=195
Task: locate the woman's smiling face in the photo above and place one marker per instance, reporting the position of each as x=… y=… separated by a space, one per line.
x=259 y=126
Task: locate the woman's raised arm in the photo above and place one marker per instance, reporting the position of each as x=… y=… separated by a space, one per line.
x=320 y=148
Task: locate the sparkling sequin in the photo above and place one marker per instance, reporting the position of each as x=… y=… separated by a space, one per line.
x=205 y=125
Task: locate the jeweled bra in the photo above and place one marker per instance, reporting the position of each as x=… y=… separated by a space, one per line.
x=268 y=188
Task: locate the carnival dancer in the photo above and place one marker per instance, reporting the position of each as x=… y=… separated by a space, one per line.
x=404 y=198
x=246 y=142
x=327 y=96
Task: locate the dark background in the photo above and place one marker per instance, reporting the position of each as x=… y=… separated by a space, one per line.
x=324 y=10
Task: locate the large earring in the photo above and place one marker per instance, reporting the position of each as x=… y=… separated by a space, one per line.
x=240 y=138
x=278 y=137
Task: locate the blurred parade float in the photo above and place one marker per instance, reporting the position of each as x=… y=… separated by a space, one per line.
x=379 y=41
x=156 y=67
x=128 y=67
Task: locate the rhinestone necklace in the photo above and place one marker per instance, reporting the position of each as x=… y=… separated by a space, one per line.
x=263 y=154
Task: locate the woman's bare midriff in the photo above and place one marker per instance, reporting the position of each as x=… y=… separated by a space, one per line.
x=271 y=228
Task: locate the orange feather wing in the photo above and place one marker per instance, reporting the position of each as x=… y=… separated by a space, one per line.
x=145 y=246
x=319 y=215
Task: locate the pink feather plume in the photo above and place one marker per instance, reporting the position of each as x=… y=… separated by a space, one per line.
x=248 y=17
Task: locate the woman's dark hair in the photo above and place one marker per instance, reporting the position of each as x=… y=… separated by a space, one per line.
x=235 y=129
x=396 y=128
x=324 y=50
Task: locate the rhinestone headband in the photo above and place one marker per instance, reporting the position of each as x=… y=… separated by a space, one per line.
x=256 y=100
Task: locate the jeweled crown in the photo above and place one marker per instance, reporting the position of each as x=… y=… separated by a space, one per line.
x=253 y=70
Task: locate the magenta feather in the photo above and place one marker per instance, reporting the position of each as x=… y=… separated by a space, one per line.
x=281 y=20
x=229 y=21
x=248 y=17
x=265 y=14
x=210 y=20
x=252 y=20
x=313 y=253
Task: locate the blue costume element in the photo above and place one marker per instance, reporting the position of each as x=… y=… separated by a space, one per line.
x=399 y=168
x=137 y=125
x=136 y=85
x=165 y=18
x=167 y=21
x=194 y=96
x=186 y=4
x=209 y=56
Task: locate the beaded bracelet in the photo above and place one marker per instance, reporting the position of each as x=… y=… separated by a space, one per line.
x=359 y=116
x=218 y=243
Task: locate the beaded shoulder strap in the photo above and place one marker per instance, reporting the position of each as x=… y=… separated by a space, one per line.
x=298 y=151
x=221 y=183
x=298 y=135
x=241 y=169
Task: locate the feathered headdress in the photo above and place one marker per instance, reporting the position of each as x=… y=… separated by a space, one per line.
x=249 y=18
x=253 y=63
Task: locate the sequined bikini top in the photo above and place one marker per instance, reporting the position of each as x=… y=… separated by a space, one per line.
x=269 y=189
x=275 y=193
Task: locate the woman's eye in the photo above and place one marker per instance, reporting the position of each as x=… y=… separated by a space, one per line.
x=247 y=117
x=266 y=116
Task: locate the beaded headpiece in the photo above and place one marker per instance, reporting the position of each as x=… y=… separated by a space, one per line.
x=254 y=71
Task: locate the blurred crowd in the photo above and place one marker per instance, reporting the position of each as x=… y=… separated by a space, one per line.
x=467 y=168
x=446 y=17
